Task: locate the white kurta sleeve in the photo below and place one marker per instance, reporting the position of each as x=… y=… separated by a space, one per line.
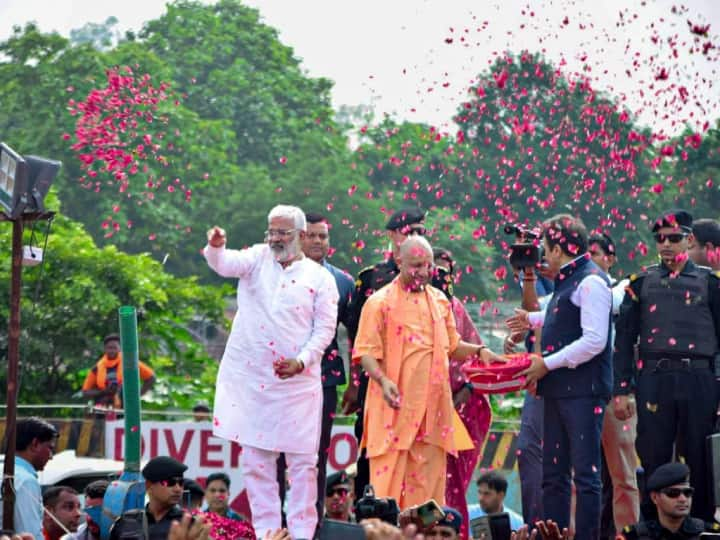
x=231 y=262
x=324 y=322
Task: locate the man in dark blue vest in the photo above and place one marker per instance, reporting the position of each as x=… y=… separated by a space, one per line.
x=573 y=375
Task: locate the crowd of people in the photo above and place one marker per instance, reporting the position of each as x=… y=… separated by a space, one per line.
x=580 y=417
x=615 y=371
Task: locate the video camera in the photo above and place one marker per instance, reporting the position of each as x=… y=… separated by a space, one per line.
x=369 y=506
x=526 y=252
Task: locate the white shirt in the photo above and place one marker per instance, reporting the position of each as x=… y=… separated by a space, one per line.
x=594 y=298
x=282 y=313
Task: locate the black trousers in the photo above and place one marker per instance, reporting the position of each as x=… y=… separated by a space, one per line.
x=362 y=477
x=677 y=410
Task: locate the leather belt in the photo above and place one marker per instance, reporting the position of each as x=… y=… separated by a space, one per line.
x=668 y=364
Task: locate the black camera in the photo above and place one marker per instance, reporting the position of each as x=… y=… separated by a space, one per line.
x=526 y=253
x=369 y=506
x=523 y=233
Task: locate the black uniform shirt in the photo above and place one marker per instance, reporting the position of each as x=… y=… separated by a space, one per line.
x=652 y=530
x=627 y=326
x=158 y=530
x=369 y=280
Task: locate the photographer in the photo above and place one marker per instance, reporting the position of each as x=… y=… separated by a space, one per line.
x=537 y=287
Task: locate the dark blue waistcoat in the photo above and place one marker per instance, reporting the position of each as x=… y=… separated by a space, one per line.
x=562 y=327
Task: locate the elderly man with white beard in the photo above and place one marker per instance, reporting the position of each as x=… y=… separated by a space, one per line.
x=268 y=394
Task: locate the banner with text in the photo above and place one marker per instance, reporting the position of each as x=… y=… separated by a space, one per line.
x=193 y=444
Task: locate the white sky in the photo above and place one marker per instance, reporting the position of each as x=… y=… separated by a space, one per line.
x=394 y=54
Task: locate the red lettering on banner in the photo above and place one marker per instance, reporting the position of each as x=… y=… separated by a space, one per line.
x=206 y=448
x=119 y=434
x=332 y=450
x=235 y=451
x=184 y=446
x=153 y=443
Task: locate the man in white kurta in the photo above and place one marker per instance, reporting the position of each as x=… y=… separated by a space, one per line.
x=269 y=393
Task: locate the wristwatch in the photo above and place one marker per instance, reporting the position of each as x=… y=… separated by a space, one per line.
x=302 y=366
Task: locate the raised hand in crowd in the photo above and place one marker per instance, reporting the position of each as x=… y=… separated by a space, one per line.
x=18 y=536
x=549 y=530
x=523 y=533
x=189 y=528
x=376 y=529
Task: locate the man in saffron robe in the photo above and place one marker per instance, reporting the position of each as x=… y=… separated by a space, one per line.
x=103 y=383
x=406 y=334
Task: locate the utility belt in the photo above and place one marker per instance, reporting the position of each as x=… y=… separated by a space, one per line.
x=658 y=362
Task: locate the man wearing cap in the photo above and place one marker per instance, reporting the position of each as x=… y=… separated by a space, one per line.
x=164 y=489
x=269 y=394
x=672 y=496
x=403 y=223
x=339 y=497
x=671 y=313
x=448 y=528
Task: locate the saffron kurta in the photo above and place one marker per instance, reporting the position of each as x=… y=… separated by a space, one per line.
x=411 y=335
x=282 y=313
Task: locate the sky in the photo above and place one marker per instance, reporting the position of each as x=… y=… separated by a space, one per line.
x=416 y=58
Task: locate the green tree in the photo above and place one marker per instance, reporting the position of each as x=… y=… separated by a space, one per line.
x=70 y=302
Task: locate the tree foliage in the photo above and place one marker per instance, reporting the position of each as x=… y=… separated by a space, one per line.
x=71 y=302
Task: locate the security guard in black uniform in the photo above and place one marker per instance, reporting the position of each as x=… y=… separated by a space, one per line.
x=164 y=485
x=403 y=223
x=672 y=495
x=671 y=312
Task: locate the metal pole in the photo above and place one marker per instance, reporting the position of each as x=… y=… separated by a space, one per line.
x=8 y=491
x=130 y=387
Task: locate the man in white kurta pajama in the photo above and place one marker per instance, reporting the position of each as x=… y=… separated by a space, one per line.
x=269 y=393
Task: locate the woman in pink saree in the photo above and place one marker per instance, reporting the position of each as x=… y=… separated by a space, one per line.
x=473 y=408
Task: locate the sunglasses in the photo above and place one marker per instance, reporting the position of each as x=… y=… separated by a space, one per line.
x=342 y=491
x=673 y=237
x=674 y=493
x=172 y=482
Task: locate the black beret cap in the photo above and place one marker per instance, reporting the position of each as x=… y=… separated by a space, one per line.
x=193 y=487
x=162 y=468
x=673 y=218
x=405 y=217
x=668 y=475
x=337 y=479
x=452 y=518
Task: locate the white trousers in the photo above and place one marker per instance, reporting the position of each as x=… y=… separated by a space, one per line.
x=260 y=475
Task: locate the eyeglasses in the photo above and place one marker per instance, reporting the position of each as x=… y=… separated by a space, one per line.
x=172 y=482
x=342 y=491
x=278 y=232
x=674 y=492
x=673 y=237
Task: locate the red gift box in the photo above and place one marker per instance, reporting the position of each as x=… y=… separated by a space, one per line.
x=498 y=378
